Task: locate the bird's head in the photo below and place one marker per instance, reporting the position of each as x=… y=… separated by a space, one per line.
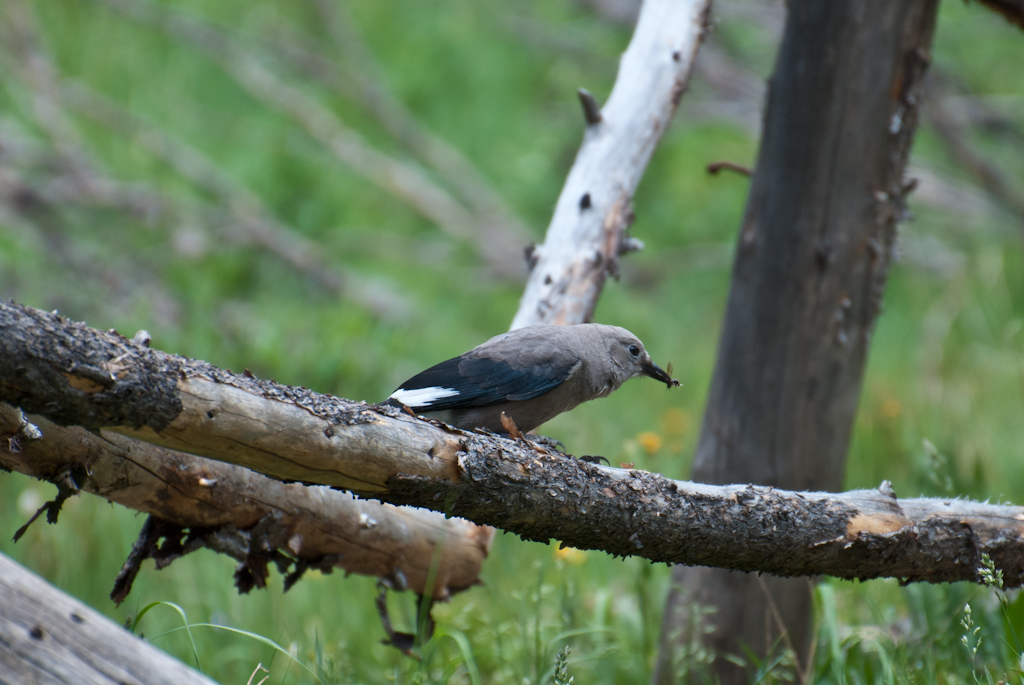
x=629 y=359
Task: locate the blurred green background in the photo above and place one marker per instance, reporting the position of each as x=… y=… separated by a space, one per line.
x=216 y=172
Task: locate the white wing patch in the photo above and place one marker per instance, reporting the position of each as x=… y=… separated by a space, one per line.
x=422 y=397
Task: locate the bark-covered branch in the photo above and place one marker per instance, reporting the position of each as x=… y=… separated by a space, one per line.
x=255 y=519
x=75 y=375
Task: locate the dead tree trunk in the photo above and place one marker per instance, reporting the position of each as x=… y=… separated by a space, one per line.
x=589 y=229
x=811 y=264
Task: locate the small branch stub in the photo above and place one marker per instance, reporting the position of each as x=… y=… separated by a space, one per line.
x=591 y=110
x=715 y=167
x=510 y=426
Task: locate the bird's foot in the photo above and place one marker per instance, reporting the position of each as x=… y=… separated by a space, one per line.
x=591 y=459
x=545 y=441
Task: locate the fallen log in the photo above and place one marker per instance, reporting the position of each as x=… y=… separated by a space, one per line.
x=75 y=375
x=252 y=518
x=47 y=636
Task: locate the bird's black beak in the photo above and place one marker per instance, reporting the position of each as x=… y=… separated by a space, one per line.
x=657 y=373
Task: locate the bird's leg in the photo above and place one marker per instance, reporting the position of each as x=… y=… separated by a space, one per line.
x=542 y=440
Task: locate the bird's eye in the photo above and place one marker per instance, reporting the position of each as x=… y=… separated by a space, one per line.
x=634 y=350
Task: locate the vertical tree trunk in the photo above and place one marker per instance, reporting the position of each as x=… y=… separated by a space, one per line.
x=811 y=264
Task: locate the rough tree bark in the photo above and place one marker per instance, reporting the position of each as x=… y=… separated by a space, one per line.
x=810 y=269
x=79 y=376
x=253 y=518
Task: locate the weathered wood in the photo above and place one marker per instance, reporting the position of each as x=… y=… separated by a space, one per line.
x=810 y=269
x=50 y=638
x=588 y=230
x=250 y=516
x=518 y=486
x=401 y=542
x=75 y=375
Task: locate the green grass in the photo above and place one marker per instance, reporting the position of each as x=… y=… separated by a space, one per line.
x=498 y=82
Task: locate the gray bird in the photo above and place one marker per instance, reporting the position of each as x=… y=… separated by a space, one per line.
x=532 y=374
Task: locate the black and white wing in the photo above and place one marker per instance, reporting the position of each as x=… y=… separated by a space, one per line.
x=508 y=368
